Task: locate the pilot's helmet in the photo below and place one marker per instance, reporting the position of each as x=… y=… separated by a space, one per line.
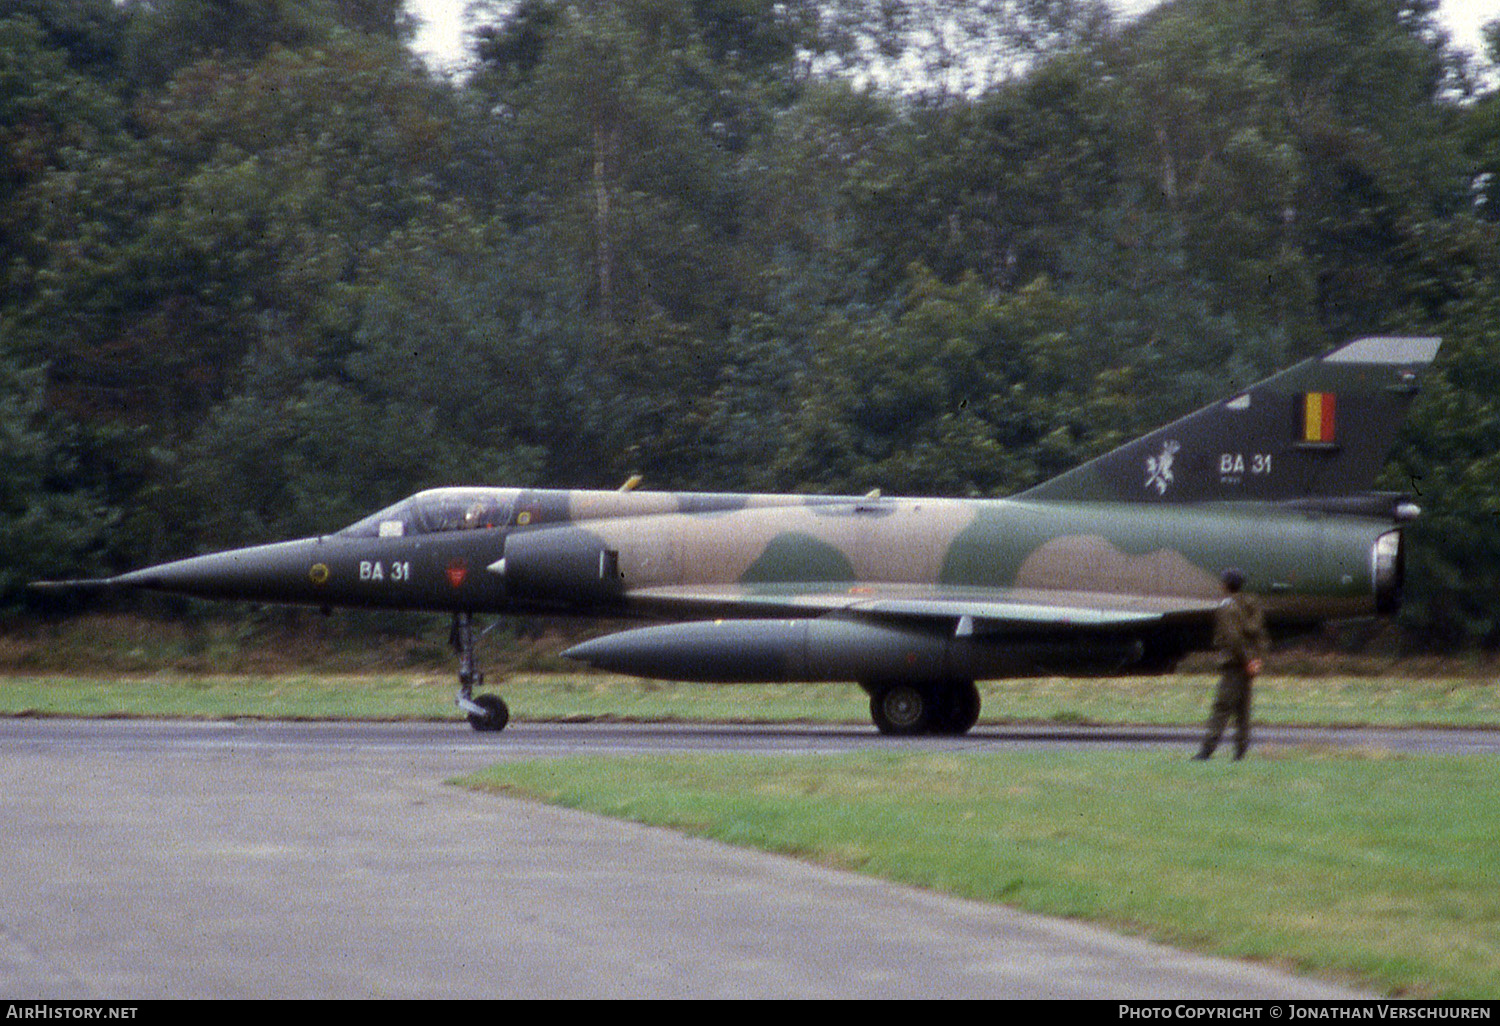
x=1233 y=579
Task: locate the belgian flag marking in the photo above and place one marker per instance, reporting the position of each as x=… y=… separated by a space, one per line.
x=1319 y=416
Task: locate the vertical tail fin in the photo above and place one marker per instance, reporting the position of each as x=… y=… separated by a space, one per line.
x=1322 y=428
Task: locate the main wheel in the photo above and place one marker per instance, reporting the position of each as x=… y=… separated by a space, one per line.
x=496 y=713
x=901 y=709
x=958 y=710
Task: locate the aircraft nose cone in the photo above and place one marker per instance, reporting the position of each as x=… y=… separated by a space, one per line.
x=269 y=573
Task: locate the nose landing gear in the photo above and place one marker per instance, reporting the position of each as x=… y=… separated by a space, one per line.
x=486 y=712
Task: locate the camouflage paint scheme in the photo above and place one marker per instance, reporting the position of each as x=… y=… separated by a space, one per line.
x=1112 y=567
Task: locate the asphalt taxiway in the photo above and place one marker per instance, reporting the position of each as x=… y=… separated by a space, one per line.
x=147 y=859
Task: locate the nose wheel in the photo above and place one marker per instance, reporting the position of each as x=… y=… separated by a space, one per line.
x=485 y=712
x=493 y=713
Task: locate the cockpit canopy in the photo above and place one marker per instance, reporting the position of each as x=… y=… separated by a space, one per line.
x=437 y=510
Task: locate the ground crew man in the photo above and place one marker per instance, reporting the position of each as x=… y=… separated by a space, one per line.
x=1241 y=638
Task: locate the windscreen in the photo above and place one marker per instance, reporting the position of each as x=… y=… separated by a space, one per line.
x=442 y=509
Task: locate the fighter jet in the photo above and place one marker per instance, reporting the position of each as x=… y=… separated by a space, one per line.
x=1111 y=568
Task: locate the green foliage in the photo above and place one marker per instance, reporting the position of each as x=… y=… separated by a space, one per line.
x=48 y=526
x=163 y=38
x=965 y=393
x=1451 y=462
x=1304 y=151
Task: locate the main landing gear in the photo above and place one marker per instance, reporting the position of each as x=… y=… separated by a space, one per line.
x=486 y=712
x=904 y=708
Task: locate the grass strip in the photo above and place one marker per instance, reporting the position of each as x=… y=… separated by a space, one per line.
x=1362 y=866
x=550 y=697
x=1178 y=699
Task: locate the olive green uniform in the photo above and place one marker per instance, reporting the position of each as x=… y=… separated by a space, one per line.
x=1240 y=636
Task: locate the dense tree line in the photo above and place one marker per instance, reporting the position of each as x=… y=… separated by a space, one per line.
x=260 y=270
